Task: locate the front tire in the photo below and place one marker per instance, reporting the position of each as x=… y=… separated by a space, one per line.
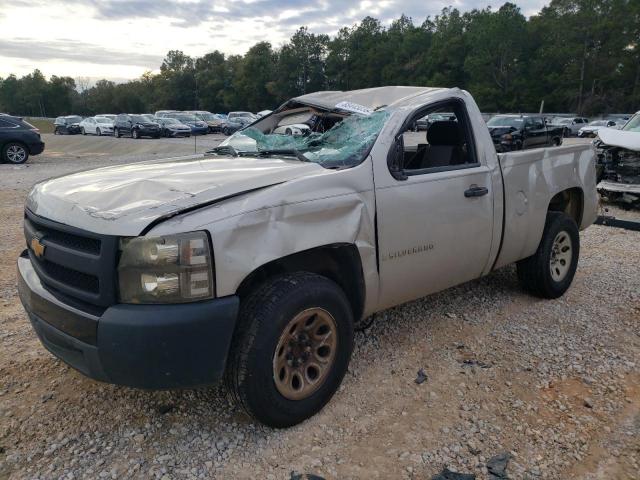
x=15 y=153
x=83 y=131
x=291 y=349
x=116 y=133
x=98 y=132
x=135 y=134
x=549 y=272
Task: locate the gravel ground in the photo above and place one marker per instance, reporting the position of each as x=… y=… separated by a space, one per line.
x=555 y=384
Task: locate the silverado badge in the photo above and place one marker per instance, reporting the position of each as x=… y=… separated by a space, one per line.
x=37 y=247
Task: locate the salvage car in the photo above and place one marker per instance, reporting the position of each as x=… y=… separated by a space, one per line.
x=618 y=153
x=232 y=124
x=571 y=126
x=18 y=140
x=591 y=130
x=96 y=126
x=172 y=127
x=255 y=262
x=521 y=132
x=69 y=125
x=213 y=120
x=197 y=126
x=135 y=126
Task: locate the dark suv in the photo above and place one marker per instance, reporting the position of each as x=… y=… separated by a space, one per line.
x=18 y=140
x=69 y=125
x=135 y=126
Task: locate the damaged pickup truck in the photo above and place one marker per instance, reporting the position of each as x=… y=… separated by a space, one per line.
x=618 y=154
x=255 y=262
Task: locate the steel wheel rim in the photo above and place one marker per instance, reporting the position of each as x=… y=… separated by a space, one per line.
x=16 y=154
x=561 y=256
x=305 y=353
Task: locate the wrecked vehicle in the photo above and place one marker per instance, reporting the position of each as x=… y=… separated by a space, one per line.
x=618 y=157
x=255 y=262
x=520 y=132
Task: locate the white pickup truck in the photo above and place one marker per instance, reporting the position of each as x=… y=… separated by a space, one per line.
x=255 y=262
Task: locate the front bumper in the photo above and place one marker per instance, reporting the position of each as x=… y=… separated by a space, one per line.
x=199 y=130
x=144 y=346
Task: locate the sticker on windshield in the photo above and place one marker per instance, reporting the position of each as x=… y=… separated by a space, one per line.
x=354 y=108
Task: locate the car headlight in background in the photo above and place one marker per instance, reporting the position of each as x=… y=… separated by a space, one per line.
x=168 y=269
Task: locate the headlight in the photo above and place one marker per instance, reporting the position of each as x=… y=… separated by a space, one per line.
x=168 y=269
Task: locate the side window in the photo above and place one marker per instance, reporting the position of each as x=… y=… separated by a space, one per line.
x=5 y=124
x=536 y=123
x=438 y=139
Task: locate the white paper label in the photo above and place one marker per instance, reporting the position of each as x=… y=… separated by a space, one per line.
x=354 y=108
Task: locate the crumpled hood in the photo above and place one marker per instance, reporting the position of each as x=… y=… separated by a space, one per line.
x=498 y=131
x=124 y=199
x=620 y=138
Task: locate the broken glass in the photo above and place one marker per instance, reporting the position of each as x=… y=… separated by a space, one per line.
x=344 y=145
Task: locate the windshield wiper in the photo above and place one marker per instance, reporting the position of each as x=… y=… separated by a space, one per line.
x=284 y=151
x=228 y=149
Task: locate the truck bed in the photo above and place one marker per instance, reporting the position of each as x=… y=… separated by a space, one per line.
x=531 y=179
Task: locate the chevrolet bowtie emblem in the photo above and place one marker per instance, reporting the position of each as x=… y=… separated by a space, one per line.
x=37 y=247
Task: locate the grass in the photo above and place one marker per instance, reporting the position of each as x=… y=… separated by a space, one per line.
x=45 y=126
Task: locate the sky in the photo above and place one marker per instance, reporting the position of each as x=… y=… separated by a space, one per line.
x=121 y=39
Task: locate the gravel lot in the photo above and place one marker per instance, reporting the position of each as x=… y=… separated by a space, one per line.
x=555 y=384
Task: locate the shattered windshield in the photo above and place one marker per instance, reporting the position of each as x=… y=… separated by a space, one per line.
x=633 y=125
x=343 y=145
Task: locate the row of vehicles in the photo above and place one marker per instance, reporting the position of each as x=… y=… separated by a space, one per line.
x=164 y=123
x=582 y=127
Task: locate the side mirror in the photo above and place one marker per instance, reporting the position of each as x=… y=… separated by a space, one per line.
x=395 y=158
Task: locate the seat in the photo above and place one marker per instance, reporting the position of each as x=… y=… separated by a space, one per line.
x=445 y=145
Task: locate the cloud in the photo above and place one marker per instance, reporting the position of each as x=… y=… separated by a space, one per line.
x=72 y=50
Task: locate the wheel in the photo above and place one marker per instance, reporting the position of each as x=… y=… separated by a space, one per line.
x=98 y=132
x=15 y=153
x=557 y=141
x=82 y=131
x=225 y=131
x=116 y=133
x=291 y=348
x=135 y=134
x=548 y=273
x=56 y=131
x=288 y=132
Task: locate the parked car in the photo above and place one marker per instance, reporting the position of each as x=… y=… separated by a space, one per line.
x=570 y=125
x=110 y=116
x=18 y=140
x=591 y=130
x=246 y=115
x=162 y=113
x=213 y=120
x=295 y=129
x=69 y=125
x=172 y=127
x=618 y=163
x=424 y=122
x=198 y=127
x=254 y=261
x=97 y=126
x=521 y=132
x=135 y=126
x=233 y=124
x=263 y=113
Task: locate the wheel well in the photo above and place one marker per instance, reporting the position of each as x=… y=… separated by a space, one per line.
x=338 y=262
x=569 y=201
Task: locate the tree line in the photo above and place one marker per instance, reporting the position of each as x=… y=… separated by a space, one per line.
x=578 y=56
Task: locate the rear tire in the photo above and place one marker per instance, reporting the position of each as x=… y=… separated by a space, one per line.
x=135 y=134
x=548 y=273
x=291 y=348
x=98 y=132
x=15 y=153
x=116 y=133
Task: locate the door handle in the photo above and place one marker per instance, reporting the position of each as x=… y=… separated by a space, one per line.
x=475 y=191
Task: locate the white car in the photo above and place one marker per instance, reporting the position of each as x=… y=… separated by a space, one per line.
x=263 y=113
x=571 y=125
x=96 y=126
x=110 y=116
x=295 y=129
x=592 y=129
